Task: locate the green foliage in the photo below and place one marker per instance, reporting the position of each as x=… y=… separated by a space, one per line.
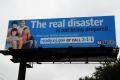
x=87 y=78
x=109 y=71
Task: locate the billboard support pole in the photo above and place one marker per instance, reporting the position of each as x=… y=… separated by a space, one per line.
x=22 y=70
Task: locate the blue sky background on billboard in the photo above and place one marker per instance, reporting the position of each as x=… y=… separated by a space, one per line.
x=43 y=9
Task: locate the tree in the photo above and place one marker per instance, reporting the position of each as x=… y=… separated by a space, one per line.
x=109 y=71
x=87 y=78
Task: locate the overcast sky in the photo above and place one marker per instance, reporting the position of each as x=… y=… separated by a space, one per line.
x=37 y=9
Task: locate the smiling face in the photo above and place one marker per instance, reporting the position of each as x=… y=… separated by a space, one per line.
x=14 y=33
x=22 y=23
x=14 y=25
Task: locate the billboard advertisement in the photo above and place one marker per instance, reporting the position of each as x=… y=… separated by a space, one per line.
x=62 y=32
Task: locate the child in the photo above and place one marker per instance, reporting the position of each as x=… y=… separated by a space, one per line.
x=27 y=42
x=21 y=27
x=12 y=39
x=14 y=25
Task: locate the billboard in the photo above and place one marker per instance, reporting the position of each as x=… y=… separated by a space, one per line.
x=62 y=32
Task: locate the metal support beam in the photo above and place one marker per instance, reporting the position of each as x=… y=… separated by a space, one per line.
x=22 y=70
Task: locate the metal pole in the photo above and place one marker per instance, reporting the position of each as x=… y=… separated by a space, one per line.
x=22 y=70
